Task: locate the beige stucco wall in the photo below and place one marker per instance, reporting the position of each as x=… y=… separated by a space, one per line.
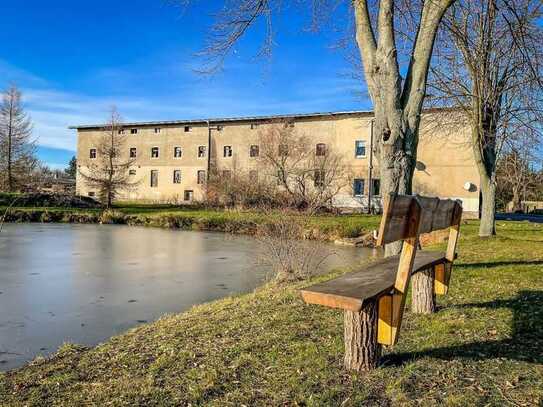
x=445 y=160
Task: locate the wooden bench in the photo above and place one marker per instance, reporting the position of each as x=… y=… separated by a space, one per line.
x=373 y=299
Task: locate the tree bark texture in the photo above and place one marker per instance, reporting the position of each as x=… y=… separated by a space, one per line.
x=362 y=352
x=422 y=292
x=487 y=226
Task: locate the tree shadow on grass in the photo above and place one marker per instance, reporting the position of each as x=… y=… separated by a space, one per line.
x=500 y=264
x=525 y=344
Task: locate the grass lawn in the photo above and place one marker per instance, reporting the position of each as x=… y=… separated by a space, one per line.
x=483 y=347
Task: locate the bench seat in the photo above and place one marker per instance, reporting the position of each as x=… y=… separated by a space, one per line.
x=351 y=289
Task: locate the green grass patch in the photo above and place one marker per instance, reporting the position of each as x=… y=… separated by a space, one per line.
x=483 y=347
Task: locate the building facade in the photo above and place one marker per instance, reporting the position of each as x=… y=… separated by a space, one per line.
x=172 y=158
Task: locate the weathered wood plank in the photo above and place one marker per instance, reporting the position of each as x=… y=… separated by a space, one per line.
x=351 y=289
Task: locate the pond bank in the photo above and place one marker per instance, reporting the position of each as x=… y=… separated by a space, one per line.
x=320 y=227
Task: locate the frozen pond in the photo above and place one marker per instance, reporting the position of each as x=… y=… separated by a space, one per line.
x=85 y=283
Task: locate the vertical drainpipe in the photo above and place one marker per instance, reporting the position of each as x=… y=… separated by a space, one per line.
x=208 y=149
x=370 y=172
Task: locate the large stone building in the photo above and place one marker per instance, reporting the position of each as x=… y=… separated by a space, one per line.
x=172 y=158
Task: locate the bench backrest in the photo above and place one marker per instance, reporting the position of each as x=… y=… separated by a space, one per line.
x=405 y=217
x=408 y=216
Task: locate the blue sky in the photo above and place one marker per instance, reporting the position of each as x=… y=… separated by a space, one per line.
x=74 y=60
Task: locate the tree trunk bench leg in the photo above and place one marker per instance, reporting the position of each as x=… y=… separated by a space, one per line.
x=423 y=293
x=362 y=351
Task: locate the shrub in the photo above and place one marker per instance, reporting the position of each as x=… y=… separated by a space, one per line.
x=111 y=216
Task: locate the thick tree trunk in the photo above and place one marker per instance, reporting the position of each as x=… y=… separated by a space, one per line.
x=487 y=226
x=362 y=352
x=423 y=295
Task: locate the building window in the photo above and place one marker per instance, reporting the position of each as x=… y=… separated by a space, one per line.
x=358 y=187
x=121 y=131
x=201 y=178
x=92 y=153
x=201 y=151
x=188 y=195
x=154 y=152
x=253 y=176
x=321 y=149
x=227 y=174
x=319 y=178
x=131 y=172
x=187 y=129
x=254 y=151
x=133 y=131
x=133 y=152
x=376 y=187
x=157 y=130
x=283 y=150
x=177 y=152
x=228 y=151
x=154 y=178
x=220 y=127
x=360 y=148
x=176 y=176
x=254 y=126
x=92 y=193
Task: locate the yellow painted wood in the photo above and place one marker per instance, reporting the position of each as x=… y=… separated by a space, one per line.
x=440 y=286
x=384 y=323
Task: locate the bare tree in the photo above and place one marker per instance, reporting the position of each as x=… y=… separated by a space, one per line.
x=516 y=178
x=17 y=148
x=110 y=173
x=310 y=174
x=397 y=100
x=488 y=65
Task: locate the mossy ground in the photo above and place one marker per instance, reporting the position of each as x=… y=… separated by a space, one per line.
x=483 y=347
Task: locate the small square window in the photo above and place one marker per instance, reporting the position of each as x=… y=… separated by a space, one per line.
x=176 y=176
x=188 y=195
x=220 y=127
x=92 y=153
x=121 y=131
x=131 y=172
x=177 y=152
x=133 y=131
x=201 y=177
x=321 y=150
x=254 y=126
x=187 y=129
x=133 y=152
x=154 y=178
x=360 y=148
x=201 y=151
x=254 y=151
x=154 y=152
x=92 y=193
x=157 y=130
x=228 y=151
x=376 y=187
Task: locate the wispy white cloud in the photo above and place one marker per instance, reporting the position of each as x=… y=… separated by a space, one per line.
x=53 y=110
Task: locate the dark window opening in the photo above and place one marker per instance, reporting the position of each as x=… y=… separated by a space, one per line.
x=177 y=152
x=201 y=151
x=187 y=129
x=376 y=187
x=201 y=178
x=133 y=152
x=131 y=172
x=360 y=148
x=154 y=178
x=228 y=151
x=188 y=195
x=133 y=131
x=92 y=193
x=358 y=187
x=157 y=130
x=92 y=153
x=254 y=151
x=154 y=152
x=321 y=149
x=176 y=176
